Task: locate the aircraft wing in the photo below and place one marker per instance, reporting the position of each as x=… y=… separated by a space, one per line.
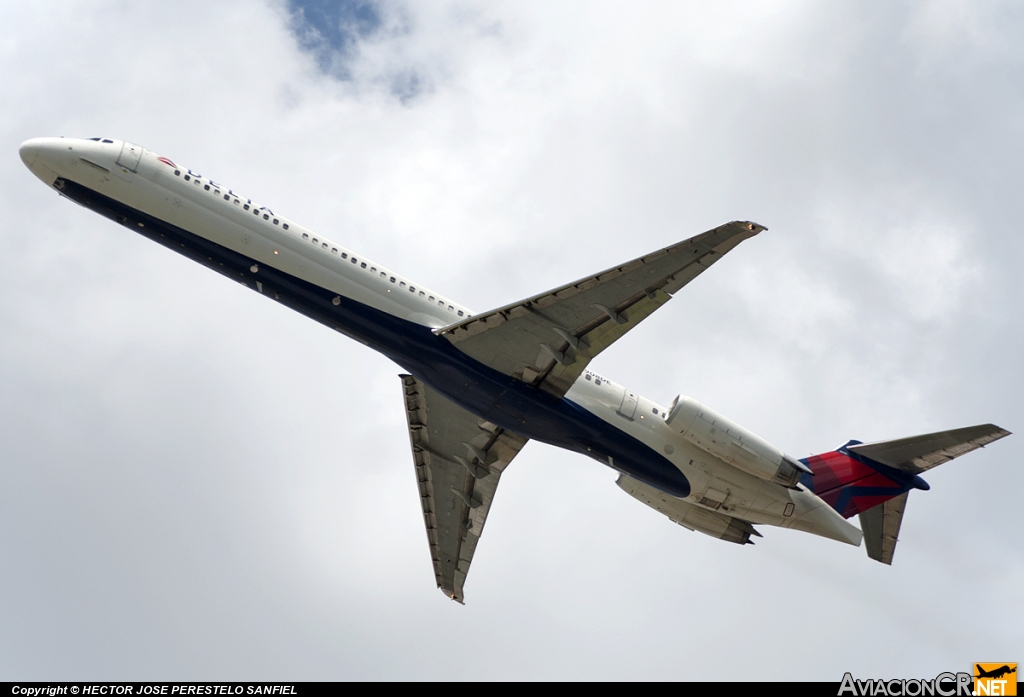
x=459 y=460
x=919 y=453
x=881 y=528
x=549 y=339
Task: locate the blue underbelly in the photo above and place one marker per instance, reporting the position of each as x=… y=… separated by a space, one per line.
x=493 y=396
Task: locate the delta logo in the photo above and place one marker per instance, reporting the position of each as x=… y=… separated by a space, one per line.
x=995 y=679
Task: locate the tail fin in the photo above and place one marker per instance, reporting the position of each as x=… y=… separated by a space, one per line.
x=852 y=483
x=866 y=479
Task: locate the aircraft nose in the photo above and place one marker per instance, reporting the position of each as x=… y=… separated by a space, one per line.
x=40 y=156
x=29 y=151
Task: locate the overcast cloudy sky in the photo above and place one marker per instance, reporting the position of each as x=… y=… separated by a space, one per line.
x=196 y=483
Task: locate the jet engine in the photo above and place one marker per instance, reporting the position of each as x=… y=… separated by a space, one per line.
x=732 y=443
x=717 y=525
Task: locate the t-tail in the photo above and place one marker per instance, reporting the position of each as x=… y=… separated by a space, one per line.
x=873 y=480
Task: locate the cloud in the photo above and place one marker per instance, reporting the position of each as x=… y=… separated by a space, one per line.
x=198 y=483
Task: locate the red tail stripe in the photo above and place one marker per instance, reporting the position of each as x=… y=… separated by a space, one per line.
x=835 y=470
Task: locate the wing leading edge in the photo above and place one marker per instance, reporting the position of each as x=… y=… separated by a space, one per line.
x=459 y=459
x=549 y=339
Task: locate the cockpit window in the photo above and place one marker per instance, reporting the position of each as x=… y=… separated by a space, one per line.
x=107 y=140
x=94 y=139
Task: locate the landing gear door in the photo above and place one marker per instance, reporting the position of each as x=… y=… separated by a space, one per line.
x=628 y=406
x=129 y=157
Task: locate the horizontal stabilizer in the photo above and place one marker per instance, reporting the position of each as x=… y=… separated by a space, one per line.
x=881 y=527
x=920 y=453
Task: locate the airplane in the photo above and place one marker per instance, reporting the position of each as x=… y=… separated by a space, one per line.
x=478 y=386
x=995 y=673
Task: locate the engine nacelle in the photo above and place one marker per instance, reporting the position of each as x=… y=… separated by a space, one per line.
x=718 y=436
x=717 y=525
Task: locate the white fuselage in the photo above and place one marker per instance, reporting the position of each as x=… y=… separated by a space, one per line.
x=159 y=188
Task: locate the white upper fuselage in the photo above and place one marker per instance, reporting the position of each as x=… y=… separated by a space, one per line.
x=160 y=188
x=198 y=204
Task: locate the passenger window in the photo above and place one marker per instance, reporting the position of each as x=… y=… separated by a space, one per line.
x=402 y=284
x=217 y=192
x=246 y=206
x=285 y=226
x=440 y=303
x=206 y=186
x=392 y=279
x=187 y=177
x=354 y=260
x=411 y=289
x=344 y=255
x=334 y=250
x=383 y=274
x=373 y=269
x=177 y=172
x=226 y=197
x=305 y=236
x=324 y=245
x=422 y=293
x=588 y=376
x=655 y=411
x=276 y=221
x=363 y=265
x=431 y=298
x=266 y=217
x=450 y=308
x=460 y=313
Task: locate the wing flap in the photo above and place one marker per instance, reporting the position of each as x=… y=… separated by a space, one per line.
x=459 y=460
x=920 y=453
x=549 y=339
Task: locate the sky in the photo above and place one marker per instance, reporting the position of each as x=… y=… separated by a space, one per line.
x=198 y=484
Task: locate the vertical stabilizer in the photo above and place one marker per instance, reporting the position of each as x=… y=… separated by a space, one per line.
x=852 y=484
x=873 y=480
